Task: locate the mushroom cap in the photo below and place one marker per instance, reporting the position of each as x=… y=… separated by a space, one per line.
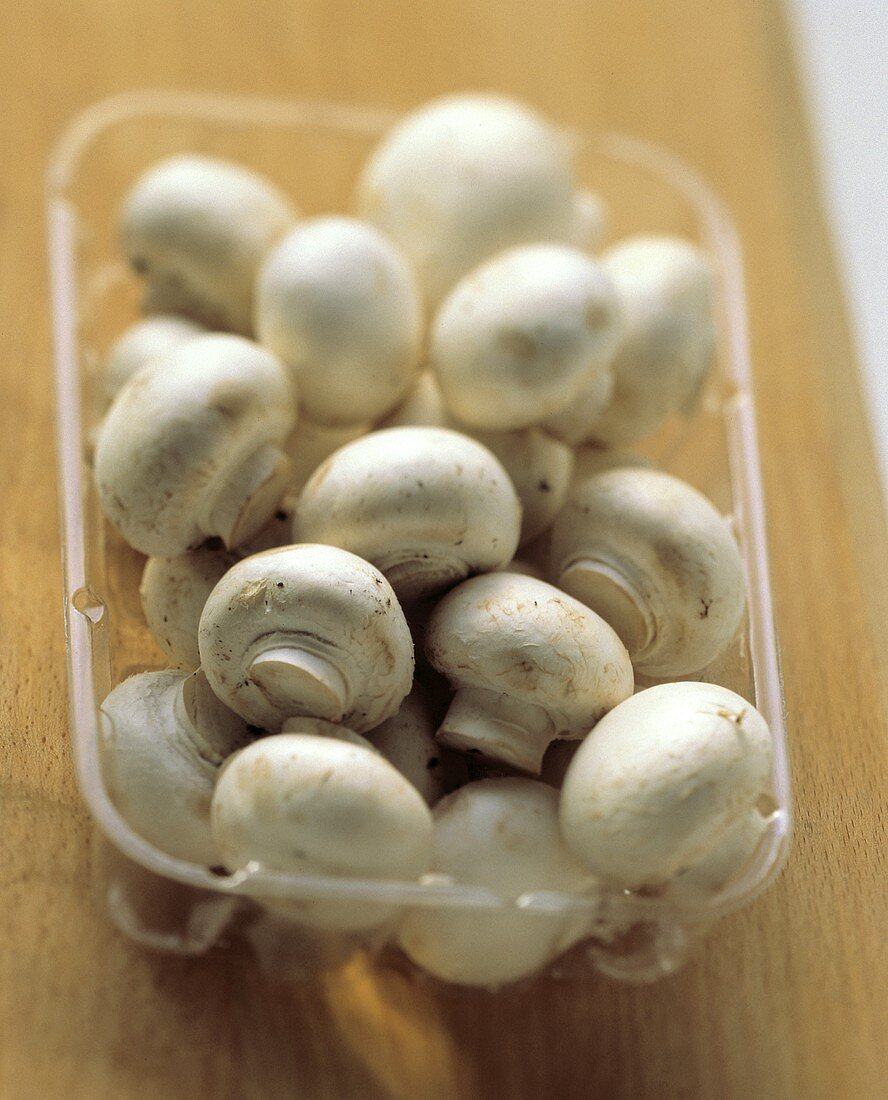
x=539 y=467
x=525 y=568
x=189 y=449
x=655 y=559
x=278 y=531
x=173 y=593
x=309 y=444
x=198 y=228
x=665 y=288
x=297 y=802
x=724 y=863
x=590 y=220
x=557 y=760
x=147 y=339
x=520 y=337
x=465 y=177
x=340 y=306
x=427 y=506
x=423 y=407
x=662 y=779
x=501 y=834
x=164 y=738
x=517 y=636
x=590 y=460
x=573 y=423
x=407 y=741
x=320 y=727
x=307 y=630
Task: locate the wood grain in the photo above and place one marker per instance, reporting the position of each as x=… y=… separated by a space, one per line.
x=788 y=999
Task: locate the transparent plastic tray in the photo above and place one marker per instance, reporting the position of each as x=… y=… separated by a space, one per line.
x=313 y=150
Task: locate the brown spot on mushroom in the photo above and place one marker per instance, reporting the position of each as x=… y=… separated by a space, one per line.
x=230 y=401
x=520 y=344
x=596 y=314
x=252 y=592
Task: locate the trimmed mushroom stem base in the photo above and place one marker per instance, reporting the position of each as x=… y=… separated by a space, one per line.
x=299 y=682
x=248 y=498
x=498 y=727
x=612 y=595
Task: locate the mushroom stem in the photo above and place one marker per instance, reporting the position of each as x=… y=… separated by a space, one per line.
x=498 y=726
x=611 y=593
x=249 y=495
x=300 y=681
x=422 y=574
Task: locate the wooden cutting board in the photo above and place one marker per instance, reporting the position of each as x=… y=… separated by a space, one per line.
x=788 y=999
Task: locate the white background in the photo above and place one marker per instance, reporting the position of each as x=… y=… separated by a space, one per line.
x=842 y=49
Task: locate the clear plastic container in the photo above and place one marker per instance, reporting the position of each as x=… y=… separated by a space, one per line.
x=313 y=150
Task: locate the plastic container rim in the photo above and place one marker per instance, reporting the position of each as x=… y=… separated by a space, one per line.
x=746 y=480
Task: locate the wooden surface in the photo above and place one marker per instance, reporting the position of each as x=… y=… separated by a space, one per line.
x=788 y=999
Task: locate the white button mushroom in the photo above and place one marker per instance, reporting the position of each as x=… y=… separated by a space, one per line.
x=320 y=727
x=175 y=589
x=655 y=559
x=190 y=449
x=164 y=737
x=501 y=834
x=310 y=444
x=539 y=467
x=423 y=407
x=468 y=176
x=407 y=740
x=528 y=663
x=521 y=336
x=278 y=531
x=533 y=557
x=306 y=630
x=572 y=423
x=525 y=569
x=427 y=506
x=557 y=760
x=321 y=806
x=724 y=863
x=173 y=593
x=665 y=287
x=591 y=459
x=339 y=304
x=590 y=221
x=662 y=780
x=197 y=229
x=145 y=340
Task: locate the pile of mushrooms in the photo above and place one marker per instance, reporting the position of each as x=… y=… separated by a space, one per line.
x=331 y=436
